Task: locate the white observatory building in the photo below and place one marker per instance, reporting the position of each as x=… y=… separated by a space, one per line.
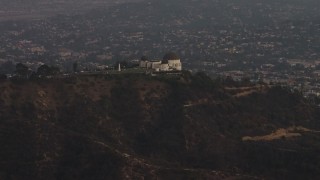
x=170 y=62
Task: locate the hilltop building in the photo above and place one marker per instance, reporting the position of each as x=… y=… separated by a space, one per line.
x=170 y=62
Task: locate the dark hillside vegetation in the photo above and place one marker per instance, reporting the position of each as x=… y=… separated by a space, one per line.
x=134 y=126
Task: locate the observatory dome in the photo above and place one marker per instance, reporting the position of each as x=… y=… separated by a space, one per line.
x=170 y=56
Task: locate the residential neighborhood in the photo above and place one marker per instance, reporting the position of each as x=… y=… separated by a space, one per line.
x=274 y=42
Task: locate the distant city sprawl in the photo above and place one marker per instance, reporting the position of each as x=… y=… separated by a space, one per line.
x=272 y=41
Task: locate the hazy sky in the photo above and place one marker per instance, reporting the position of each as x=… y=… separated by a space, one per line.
x=33 y=9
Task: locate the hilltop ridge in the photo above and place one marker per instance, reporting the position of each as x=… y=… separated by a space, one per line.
x=135 y=126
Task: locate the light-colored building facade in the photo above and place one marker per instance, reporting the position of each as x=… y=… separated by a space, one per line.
x=170 y=62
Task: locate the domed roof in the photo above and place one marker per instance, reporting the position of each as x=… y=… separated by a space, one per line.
x=144 y=58
x=170 y=56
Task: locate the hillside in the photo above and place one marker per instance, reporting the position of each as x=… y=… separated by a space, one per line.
x=139 y=127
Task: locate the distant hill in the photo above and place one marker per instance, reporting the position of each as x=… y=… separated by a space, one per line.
x=135 y=127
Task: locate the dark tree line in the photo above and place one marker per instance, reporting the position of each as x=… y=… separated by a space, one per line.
x=24 y=72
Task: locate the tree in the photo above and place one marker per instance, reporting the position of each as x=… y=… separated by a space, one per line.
x=44 y=70
x=3 y=77
x=22 y=70
x=75 y=66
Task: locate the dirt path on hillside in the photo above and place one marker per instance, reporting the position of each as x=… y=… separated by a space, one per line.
x=281 y=133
